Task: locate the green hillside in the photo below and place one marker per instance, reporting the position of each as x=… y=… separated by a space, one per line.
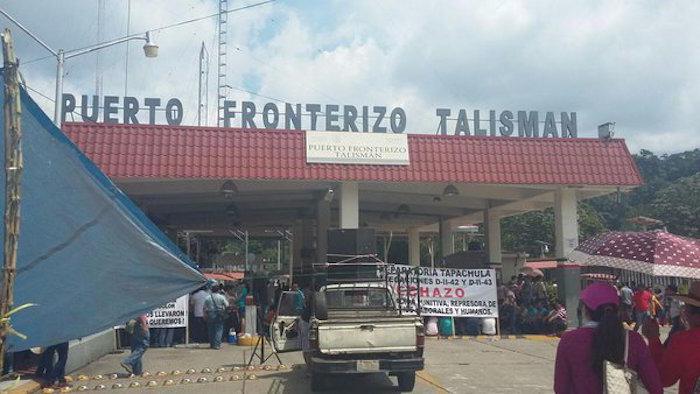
x=671 y=193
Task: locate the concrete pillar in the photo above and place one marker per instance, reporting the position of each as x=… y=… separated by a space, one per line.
x=447 y=244
x=568 y=279
x=349 y=206
x=413 y=247
x=565 y=222
x=492 y=228
x=323 y=220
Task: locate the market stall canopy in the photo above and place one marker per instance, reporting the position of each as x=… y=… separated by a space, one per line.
x=651 y=252
x=540 y=265
x=599 y=277
x=532 y=272
x=87 y=256
x=224 y=276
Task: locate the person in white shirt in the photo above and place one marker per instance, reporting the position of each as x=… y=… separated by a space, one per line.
x=673 y=308
x=199 y=325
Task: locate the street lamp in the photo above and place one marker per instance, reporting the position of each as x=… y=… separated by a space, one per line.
x=149 y=49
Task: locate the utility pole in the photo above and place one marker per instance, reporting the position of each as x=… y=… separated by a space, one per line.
x=13 y=172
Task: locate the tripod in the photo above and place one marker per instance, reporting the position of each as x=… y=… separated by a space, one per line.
x=259 y=351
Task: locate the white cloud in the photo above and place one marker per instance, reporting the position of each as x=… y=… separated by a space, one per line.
x=629 y=62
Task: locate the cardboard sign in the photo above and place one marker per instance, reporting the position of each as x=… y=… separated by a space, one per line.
x=171 y=315
x=446 y=291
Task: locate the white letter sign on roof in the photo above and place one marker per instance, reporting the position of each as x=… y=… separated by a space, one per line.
x=356 y=148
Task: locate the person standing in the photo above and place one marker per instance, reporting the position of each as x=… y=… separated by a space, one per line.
x=240 y=304
x=674 y=307
x=656 y=309
x=680 y=359
x=304 y=319
x=140 y=340
x=298 y=298
x=215 y=311
x=581 y=354
x=626 y=295
x=198 y=324
x=54 y=373
x=164 y=337
x=642 y=303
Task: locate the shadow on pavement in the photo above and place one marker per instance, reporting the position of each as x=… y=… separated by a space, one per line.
x=296 y=381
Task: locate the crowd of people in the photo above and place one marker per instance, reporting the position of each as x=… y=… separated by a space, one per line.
x=639 y=303
x=525 y=307
x=608 y=338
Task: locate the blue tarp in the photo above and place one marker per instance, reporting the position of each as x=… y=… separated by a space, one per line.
x=87 y=255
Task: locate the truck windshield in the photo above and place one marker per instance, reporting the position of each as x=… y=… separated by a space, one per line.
x=358 y=298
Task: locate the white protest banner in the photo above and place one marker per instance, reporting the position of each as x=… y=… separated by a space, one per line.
x=171 y=315
x=457 y=292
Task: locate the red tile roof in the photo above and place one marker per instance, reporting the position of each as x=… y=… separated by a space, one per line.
x=160 y=151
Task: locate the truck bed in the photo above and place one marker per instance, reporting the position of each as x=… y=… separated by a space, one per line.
x=355 y=332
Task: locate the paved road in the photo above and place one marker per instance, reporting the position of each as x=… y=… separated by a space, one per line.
x=452 y=365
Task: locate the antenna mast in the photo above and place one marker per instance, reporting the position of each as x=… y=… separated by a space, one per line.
x=221 y=76
x=100 y=38
x=203 y=100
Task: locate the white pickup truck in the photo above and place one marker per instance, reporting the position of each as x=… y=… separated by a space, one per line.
x=355 y=328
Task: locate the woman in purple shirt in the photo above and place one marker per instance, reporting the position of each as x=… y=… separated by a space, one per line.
x=581 y=352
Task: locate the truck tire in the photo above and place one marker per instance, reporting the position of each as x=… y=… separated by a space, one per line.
x=407 y=380
x=318 y=382
x=320 y=308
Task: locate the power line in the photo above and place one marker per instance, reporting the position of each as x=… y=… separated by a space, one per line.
x=37 y=59
x=283 y=101
x=39 y=93
x=177 y=24
x=267 y=64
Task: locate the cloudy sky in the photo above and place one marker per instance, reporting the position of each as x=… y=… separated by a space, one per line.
x=633 y=63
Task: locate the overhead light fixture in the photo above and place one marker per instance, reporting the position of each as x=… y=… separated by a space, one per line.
x=229 y=188
x=150 y=49
x=450 y=191
x=403 y=209
x=437 y=198
x=328 y=197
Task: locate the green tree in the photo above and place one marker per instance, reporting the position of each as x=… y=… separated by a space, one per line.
x=658 y=173
x=526 y=232
x=678 y=205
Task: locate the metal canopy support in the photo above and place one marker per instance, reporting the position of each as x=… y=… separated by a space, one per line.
x=414 y=246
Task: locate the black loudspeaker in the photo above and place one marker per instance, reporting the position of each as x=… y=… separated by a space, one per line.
x=352 y=242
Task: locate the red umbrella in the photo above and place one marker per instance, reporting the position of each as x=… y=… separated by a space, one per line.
x=652 y=252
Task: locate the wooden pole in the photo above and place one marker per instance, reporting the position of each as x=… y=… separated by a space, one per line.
x=13 y=172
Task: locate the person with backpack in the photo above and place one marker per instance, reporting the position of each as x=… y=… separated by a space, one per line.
x=140 y=340
x=584 y=354
x=216 y=312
